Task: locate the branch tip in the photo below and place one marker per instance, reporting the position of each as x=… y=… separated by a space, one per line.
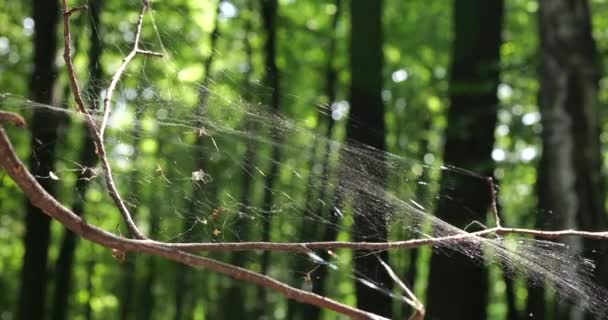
x=69 y=12
x=149 y=53
x=13 y=118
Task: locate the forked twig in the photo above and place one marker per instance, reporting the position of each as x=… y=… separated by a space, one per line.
x=50 y=206
x=178 y=252
x=410 y=297
x=182 y=252
x=96 y=133
x=107 y=100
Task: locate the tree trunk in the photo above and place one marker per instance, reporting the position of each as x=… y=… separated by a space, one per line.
x=129 y=275
x=88 y=308
x=88 y=159
x=235 y=292
x=319 y=276
x=147 y=299
x=366 y=126
x=202 y=195
x=457 y=285
x=569 y=179
x=269 y=17
x=44 y=138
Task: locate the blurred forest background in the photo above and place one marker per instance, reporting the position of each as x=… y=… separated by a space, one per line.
x=507 y=89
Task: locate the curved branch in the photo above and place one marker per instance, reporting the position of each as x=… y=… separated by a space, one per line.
x=13 y=118
x=49 y=205
x=97 y=133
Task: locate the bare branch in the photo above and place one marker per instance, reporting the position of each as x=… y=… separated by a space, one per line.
x=13 y=118
x=96 y=133
x=107 y=100
x=74 y=10
x=493 y=205
x=178 y=251
x=409 y=297
x=49 y=205
x=304 y=247
x=149 y=53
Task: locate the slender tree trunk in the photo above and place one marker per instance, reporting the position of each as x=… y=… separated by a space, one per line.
x=366 y=126
x=44 y=138
x=88 y=159
x=269 y=18
x=421 y=193
x=129 y=275
x=569 y=179
x=457 y=285
x=235 y=292
x=302 y=311
x=201 y=194
x=146 y=297
x=88 y=309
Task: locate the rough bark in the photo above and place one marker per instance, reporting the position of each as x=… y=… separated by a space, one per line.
x=457 y=285
x=569 y=180
x=44 y=124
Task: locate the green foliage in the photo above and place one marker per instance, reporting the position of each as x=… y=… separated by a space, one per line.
x=416 y=71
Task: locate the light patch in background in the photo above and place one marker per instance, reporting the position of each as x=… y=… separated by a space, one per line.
x=339 y=110
x=504 y=91
x=528 y=154
x=504 y=116
x=5 y=47
x=530 y=118
x=400 y=75
x=386 y=95
x=227 y=10
x=28 y=26
x=502 y=130
x=499 y=155
x=439 y=72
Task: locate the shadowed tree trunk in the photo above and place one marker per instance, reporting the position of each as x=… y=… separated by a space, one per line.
x=316 y=208
x=236 y=292
x=88 y=159
x=44 y=138
x=269 y=19
x=457 y=285
x=569 y=175
x=203 y=196
x=88 y=309
x=366 y=126
x=146 y=295
x=421 y=193
x=129 y=275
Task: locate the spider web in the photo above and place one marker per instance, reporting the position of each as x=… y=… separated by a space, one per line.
x=182 y=168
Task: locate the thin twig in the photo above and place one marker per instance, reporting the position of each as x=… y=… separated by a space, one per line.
x=49 y=205
x=410 y=297
x=107 y=100
x=494 y=207
x=177 y=252
x=96 y=133
x=304 y=247
x=13 y=118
